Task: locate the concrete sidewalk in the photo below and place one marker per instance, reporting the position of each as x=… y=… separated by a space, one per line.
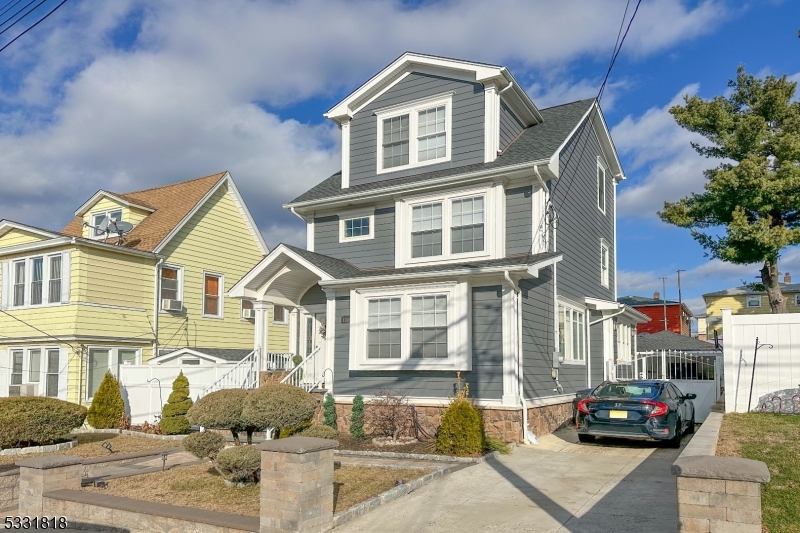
x=557 y=486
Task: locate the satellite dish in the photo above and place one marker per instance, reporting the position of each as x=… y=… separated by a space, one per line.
x=120 y=227
x=103 y=226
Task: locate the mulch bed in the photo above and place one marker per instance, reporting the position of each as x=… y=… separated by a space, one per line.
x=365 y=445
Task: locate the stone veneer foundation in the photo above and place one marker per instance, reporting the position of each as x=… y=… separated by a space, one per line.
x=501 y=423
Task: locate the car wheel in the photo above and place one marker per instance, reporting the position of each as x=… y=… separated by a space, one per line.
x=585 y=438
x=675 y=442
x=690 y=429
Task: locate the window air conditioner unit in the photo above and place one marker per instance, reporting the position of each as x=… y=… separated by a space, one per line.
x=171 y=305
x=248 y=313
x=29 y=389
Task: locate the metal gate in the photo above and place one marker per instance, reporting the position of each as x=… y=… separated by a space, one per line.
x=700 y=374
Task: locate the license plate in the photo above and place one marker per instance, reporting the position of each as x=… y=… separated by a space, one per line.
x=618 y=414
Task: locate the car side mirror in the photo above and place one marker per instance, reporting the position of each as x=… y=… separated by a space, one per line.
x=691 y=396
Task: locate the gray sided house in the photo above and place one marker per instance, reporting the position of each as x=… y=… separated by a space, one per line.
x=468 y=233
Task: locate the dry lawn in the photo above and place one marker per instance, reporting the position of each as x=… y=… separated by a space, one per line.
x=200 y=486
x=774 y=439
x=90 y=445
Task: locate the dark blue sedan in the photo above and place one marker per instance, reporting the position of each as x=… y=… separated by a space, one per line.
x=639 y=409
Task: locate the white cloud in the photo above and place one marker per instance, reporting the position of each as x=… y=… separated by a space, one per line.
x=559 y=92
x=183 y=99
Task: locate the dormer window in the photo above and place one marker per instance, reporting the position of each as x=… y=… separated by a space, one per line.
x=415 y=133
x=97 y=218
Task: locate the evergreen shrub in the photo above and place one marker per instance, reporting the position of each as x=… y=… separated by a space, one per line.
x=357 y=418
x=173 y=415
x=204 y=444
x=107 y=409
x=329 y=411
x=461 y=431
x=222 y=409
x=239 y=464
x=278 y=406
x=320 y=432
x=35 y=420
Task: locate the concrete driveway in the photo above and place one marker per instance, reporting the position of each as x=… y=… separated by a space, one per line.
x=556 y=486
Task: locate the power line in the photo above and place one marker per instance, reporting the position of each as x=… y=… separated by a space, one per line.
x=18 y=12
x=29 y=28
x=37 y=329
x=10 y=6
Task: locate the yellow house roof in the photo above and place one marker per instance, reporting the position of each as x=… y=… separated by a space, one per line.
x=170 y=204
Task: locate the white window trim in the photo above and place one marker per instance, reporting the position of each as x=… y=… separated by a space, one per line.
x=412 y=109
x=605 y=275
x=29 y=279
x=113 y=362
x=360 y=213
x=747 y=302
x=568 y=347
x=458 y=338
x=221 y=295
x=42 y=390
x=180 y=286
x=493 y=226
x=601 y=167
x=286 y=314
x=797 y=299
x=106 y=213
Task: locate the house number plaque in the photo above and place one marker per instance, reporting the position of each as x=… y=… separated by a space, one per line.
x=346 y=319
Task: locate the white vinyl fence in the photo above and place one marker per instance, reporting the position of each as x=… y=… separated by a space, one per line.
x=145 y=388
x=777 y=362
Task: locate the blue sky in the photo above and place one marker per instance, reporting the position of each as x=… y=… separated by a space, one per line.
x=131 y=94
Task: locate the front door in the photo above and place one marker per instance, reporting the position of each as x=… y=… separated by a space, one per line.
x=313 y=332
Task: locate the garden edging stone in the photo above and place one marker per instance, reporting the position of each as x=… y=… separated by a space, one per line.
x=419 y=456
x=78 y=431
x=40 y=449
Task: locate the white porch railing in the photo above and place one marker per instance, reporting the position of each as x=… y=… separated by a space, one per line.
x=667 y=364
x=277 y=361
x=243 y=375
x=309 y=373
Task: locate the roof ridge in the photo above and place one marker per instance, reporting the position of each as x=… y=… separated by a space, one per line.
x=168 y=184
x=567 y=103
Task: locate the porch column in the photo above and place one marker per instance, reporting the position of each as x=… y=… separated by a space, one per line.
x=510 y=377
x=261 y=333
x=330 y=337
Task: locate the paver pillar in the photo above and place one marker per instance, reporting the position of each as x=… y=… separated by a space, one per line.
x=719 y=494
x=297 y=485
x=38 y=475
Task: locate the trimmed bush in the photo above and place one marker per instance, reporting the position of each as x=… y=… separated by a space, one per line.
x=329 y=411
x=222 y=409
x=320 y=432
x=357 y=418
x=278 y=406
x=239 y=464
x=204 y=444
x=107 y=409
x=461 y=430
x=173 y=415
x=35 y=420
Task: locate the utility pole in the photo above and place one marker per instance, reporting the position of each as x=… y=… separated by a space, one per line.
x=664 y=299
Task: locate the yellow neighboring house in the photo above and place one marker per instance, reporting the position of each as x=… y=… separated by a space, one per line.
x=77 y=302
x=744 y=301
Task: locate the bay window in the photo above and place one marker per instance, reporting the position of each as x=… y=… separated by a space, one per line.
x=414 y=134
x=571 y=334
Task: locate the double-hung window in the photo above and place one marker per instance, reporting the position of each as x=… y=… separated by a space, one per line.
x=414 y=134
x=37 y=281
x=54 y=282
x=426 y=230
x=37 y=278
x=429 y=327
x=604 y=266
x=19 y=283
x=212 y=295
x=97 y=220
x=280 y=315
x=384 y=328
x=571 y=333
x=467 y=228
x=16 y=372
x=170 y=283
x=51 y=377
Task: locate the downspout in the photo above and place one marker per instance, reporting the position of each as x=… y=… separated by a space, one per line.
x=156 y=306
x=527 y=435
x=507 y=87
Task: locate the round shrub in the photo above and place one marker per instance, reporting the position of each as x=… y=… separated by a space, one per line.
x=34 y=420
x=222 y=409
x=239 y=464
x=320 y=432
x=107 y=407
x=204 y=444
x=278 y=406
x=173 y=419
x=461 y=430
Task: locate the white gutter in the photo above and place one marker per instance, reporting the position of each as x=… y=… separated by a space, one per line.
x=607 y=317
x=507 y=87
x=527 y=435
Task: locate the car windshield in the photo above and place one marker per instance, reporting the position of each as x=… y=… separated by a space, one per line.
x=627 y=390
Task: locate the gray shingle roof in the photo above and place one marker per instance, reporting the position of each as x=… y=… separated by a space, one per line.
x=633 y=301
x=340 y=269
x=535 y=143
x=227 y=354
x=668 y=340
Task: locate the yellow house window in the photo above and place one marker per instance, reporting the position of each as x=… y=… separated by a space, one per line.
x=753 y=301
x=212 y=295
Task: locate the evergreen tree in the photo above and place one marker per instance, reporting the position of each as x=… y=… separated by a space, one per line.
x=357 y=418
x=107 y=407
x=750 y=209
x=173 y=415
x=329 y=410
